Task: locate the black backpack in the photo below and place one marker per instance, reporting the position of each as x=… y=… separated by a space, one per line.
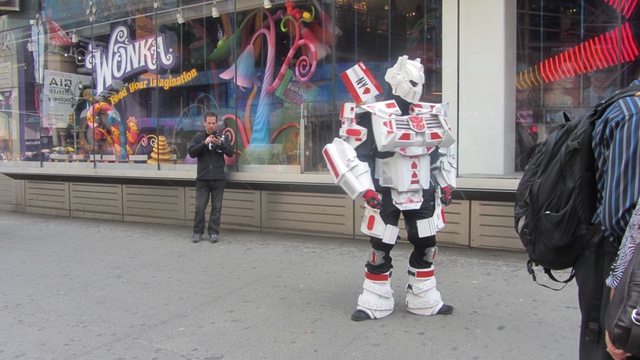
x=556 y=197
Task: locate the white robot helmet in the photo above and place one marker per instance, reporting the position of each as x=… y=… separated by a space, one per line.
x=406 y=78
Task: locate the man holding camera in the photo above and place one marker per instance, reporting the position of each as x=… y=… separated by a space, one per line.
x=209 y=148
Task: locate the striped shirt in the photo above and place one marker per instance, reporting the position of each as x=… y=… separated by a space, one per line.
x=615 y=144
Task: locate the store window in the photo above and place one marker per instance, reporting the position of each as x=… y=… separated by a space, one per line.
x=125 y=84
x=571 y=54
x=10 y=112
x=377 y=33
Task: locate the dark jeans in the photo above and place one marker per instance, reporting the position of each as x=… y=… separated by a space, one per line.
x=591 y=272
x=206 y=189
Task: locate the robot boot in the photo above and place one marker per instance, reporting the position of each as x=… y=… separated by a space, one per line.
x=422 y=296
x=376 y=300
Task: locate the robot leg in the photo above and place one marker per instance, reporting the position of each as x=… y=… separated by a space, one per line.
x=376 y=300
x=422 y=296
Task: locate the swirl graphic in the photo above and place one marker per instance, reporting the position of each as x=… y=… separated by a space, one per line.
x=242 y=71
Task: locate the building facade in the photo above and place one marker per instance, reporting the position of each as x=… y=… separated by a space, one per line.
x=99 y=99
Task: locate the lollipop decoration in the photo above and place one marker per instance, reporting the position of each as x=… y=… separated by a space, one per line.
x=242 y=72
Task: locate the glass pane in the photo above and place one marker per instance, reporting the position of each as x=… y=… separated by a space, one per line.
x=94 y=94
x=13 y=119
x=123 y=103
x=280 y=63
x=571 y=54
x=378 y=32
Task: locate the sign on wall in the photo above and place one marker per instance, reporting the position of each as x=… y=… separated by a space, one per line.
x=125 y=57
x=296 y=92
x=8 y=59
x=59 y=96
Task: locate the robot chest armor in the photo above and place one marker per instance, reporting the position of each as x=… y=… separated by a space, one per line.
x=408 y=135
x=411 y=138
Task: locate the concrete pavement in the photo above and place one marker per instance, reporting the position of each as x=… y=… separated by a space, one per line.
x=91 y=289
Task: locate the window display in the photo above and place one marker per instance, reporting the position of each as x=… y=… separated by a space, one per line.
x=116 y=83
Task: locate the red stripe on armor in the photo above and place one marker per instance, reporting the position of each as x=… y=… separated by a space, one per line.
x=425 y=273
x=353 y=132
x=405 y=137
x=350 y=87
x=389 y=125
x=342 y=110
x=376 y=277
x=332 y=166
x=371 y=222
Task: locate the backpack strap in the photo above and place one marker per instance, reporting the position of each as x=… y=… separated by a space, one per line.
x=547 y=271
x=594 y=328
x=572 y=274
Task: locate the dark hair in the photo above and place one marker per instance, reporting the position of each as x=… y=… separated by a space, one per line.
x=210 y=113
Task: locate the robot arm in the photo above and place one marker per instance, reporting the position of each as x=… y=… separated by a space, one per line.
x=350 y=131
x=353 y=175
x=443 y=170
x=443 y=176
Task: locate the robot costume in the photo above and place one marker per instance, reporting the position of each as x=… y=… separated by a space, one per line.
x=399 y=157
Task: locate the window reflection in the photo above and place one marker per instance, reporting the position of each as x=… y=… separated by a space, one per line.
x=571 y=55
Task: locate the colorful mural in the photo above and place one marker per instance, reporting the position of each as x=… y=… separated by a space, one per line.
x=243 y=73
x=262 y=88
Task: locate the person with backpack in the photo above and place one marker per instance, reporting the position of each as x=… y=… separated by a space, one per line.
x=615 y=142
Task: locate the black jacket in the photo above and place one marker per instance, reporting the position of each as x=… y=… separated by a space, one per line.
x=210 y=158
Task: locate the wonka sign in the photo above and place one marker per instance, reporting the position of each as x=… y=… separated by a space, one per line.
x=126 y=57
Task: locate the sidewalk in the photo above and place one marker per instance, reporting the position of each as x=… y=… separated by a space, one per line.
x=91 y=289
